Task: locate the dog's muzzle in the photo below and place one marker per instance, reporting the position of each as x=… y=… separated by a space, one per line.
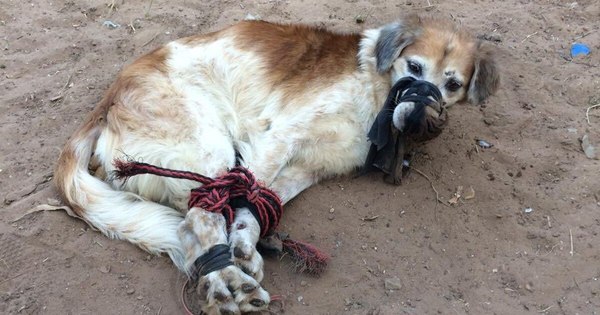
x=425 y=122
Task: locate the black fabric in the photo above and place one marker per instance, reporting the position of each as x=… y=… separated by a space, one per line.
x=242 y=202
x=216 y=258
x=388 y=143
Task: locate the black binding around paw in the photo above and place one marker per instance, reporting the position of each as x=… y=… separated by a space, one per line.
x=216 y=258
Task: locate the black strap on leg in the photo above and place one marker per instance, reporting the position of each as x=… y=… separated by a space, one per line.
x=242 y=202
x=216 y=258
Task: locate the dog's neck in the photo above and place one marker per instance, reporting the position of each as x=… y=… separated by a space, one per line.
x=379 y=85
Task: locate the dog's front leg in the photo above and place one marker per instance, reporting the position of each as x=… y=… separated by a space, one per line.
x=225 y=291
x=245 y=231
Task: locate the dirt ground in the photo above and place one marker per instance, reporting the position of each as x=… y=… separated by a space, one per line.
x=485 y=255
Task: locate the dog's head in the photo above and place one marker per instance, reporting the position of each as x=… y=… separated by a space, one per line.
x=438 y=51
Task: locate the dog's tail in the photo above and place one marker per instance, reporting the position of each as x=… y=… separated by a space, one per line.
x=118 y=214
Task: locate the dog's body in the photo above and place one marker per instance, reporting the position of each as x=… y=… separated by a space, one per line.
x=293 y=103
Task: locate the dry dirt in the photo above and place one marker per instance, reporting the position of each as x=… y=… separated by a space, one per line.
x=484 y=255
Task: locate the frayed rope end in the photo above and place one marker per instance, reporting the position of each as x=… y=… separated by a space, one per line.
x=306 y=257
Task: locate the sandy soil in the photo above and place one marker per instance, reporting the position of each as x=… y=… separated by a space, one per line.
x=484 y=255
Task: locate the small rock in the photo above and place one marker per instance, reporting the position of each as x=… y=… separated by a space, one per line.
x=392 y=284
x=490 y=37
x=139 y=297
x=111 y=24
x=587 y=147
x=359 y=19
x=519 y=174
x=528 y=210
x=130 y=291
x=252 y=17
x=331 y=210
x=303 y=283
x=347 y=302
x=529 y=286
x=104 y=269
x=300 y=298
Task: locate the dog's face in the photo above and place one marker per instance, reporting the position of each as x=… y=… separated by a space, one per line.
x=438 y=52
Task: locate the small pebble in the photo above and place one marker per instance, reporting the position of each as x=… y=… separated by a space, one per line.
x=303 y=283
x=139 y=297
x=130 y=291
x=300 y=299
x=392 y=284
x=331 y=210
x=528 y=210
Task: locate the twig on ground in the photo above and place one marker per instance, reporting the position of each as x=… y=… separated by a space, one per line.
x=132 y=26
x=587 y=112
x=151 y=39
x=437 y=195
x=528 y=36
x=149 y=7
x=549 y=224
x=571 y=237
x=62 y=91
x=545 y=310
x=12 y=278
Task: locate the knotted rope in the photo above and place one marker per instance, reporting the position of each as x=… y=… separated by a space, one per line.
x=237 y=188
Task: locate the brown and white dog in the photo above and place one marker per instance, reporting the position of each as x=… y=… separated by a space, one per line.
x=294 y=102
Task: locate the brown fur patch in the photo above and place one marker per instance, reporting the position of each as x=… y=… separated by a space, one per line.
x=299 y=56
x=444 y=42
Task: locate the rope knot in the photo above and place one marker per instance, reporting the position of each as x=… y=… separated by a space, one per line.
x=236 y=189
x=252 y=196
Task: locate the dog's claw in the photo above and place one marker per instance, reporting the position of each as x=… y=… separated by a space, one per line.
x=231 y=291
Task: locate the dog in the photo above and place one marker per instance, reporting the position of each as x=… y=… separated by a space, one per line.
x=292 y=103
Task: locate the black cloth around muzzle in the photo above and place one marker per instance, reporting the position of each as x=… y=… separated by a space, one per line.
x=386 y=141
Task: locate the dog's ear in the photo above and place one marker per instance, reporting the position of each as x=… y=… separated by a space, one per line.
x=393 y=38
x=485 y=79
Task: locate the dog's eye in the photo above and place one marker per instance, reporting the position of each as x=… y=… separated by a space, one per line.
x=415 y=68
x=453 y=85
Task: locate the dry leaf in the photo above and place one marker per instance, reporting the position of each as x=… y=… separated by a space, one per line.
x=457 y=195
x=47 y=207
x=470 y=193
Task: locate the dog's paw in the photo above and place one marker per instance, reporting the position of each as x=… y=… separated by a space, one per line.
x=231 y=291
x=243 y=237
x=401 y=114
